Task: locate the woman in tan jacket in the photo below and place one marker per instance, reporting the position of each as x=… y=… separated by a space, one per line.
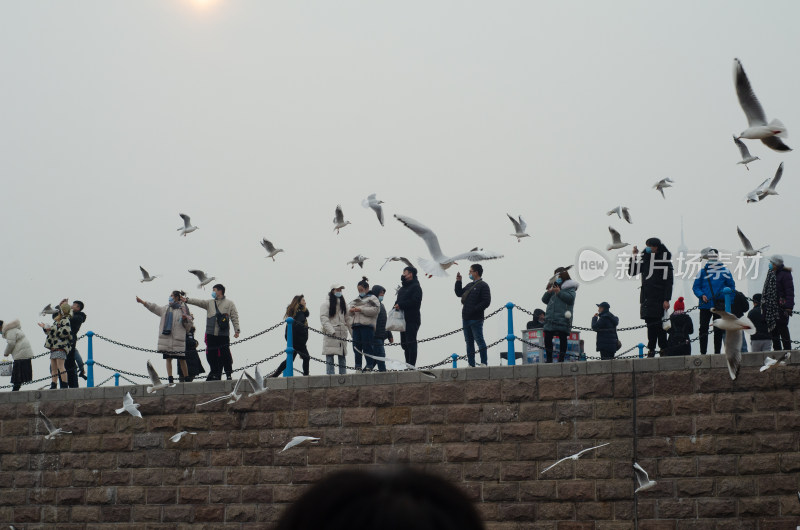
x=362 y=316
x=176 y=321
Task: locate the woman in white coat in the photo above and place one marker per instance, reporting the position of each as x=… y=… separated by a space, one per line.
x=19 y=348
x=333 y=316
x=176 y=321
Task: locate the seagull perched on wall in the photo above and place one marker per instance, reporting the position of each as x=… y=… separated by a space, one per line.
x=52 y=431
x=733 y=325
x=745 y=152
x=616 y=240
x=157 y=384
x=622 y=212
x=270 y=248
x=129 y=406
x=204 y=280
x=642 y=478
x=758 y=128
x=572 y=457
x=146 y=275
x=375 y=204
x=358 y=260
x=519 y=228
x=663 y=183
x=338 y=219
x=187 y=225
x=748 y=247
x=441 y=263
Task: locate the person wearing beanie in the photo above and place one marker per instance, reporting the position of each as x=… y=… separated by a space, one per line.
x=680 y=328
x=538 y=320
x=655 y=268
x=381 y=334
x=778 y=302
x=605 y=324
x=59 y=342
x=19 y=348
x=409 y=301
x=708 y=287
x=761 y=340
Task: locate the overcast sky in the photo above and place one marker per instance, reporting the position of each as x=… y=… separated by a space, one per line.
x=258 y=118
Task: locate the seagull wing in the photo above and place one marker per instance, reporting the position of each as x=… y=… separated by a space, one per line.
x=626 y=214
x=153 y=375
x=724 y=314
x=268 y=246
x=642 y=477
x=475 y=255
x=548 y=468
x=297 y=440
x=177 y=437
x=219 y=398
x=747 y=98
x=775 y=143
x=743 y=150
x=127 y=400
x=186 y=220
x=339 y=215
x=259 y=378
x=580 y=453
x=522 y=224
x=615 y=237
x=47 y=423
x=200 y=274
x=238 y=382
x=427 y=235
x=253 y=381
x=744 y=240
x=379 y=212
x=517 y=228
x=145 y=274
x=777 y=178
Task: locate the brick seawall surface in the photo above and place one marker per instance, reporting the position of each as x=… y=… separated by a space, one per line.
x=724 y=453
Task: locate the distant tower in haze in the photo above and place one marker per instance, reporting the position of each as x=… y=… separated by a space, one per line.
x=683 y=253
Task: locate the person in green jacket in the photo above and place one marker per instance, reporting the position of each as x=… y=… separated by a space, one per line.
x=560 y=299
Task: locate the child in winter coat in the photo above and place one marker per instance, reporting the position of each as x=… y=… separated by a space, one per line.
x=19 y=348
x=681 y=327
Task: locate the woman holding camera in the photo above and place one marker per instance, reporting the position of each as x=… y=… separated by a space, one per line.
x=176 y=321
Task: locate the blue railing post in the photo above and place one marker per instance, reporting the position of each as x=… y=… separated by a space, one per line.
x=289 y=370
x=510 y=355
x=728 y=298
x=455 y=360
x=641 y=350
x=89 y=360
x=116 y=379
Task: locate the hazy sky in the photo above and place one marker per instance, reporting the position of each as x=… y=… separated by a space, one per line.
x=258 y=118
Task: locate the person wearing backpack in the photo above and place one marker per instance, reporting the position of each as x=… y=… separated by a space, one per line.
x=605 y=324
x=708 y=287
x=220 y=315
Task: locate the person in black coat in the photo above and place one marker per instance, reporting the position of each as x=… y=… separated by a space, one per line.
x=381 y=334
x=655 y=267
x=605 y=324
x=76 y=319
x=475 y=299
x=409 y=300
x=538 y=320
x=193 y=364
x=761 y=340
x=299 y=313
x=680 y=327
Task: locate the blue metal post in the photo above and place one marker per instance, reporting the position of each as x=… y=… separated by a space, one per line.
x=116 y=379
x=289 y=370
x=510 y=355
x=641 y=350
x=90 y=360
x=455 y=360
x=728 y=298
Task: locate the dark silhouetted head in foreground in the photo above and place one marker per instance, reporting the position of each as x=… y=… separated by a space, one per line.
x=400 y=499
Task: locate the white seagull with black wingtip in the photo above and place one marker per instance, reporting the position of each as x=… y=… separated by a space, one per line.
x=375 y=204
x=204 y=280
x=52 y=431
x=642 y=478
x=270 y=248
x=622 y=212
x=758 y=128
x=572 y=457
x=748 y=247
x=745 y=152
x=146 y=275
x=157 y=384
x=338 y=219
x=187 y=225
x=519 y=228
x=770 y=190
x=616 y=240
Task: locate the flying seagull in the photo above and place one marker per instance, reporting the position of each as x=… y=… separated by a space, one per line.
x=233 y=397
x=358 y=260
x=157 y=384
x=177 y=437
x=572 y=457
x=440 y=263
x=755 y=195
x=396 y=258
x=52 y=431
x=663 y=183
x=733 y=325
x=129 y=406
x=187 y=225
x=769 y=362
x=204 y=280
x=393 y=364
x=375 y=204
x=270 y=248
x=745 y=152
x=297 y=440
x=622 y=212
x=256 y=383
x=616 y=240
x=770 y=190
x=48 y=310
x=642 y=478
x=748 y=247
x=519 y=228
x=758 y=128
x=338 y=219
x=146 y=275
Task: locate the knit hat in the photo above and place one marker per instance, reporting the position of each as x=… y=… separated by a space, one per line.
x=679 y=305
x=776 y=260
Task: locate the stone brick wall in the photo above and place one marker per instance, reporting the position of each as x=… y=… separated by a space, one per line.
x=725 y=454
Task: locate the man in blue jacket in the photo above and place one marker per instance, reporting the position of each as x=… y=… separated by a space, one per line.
x=708 y=287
